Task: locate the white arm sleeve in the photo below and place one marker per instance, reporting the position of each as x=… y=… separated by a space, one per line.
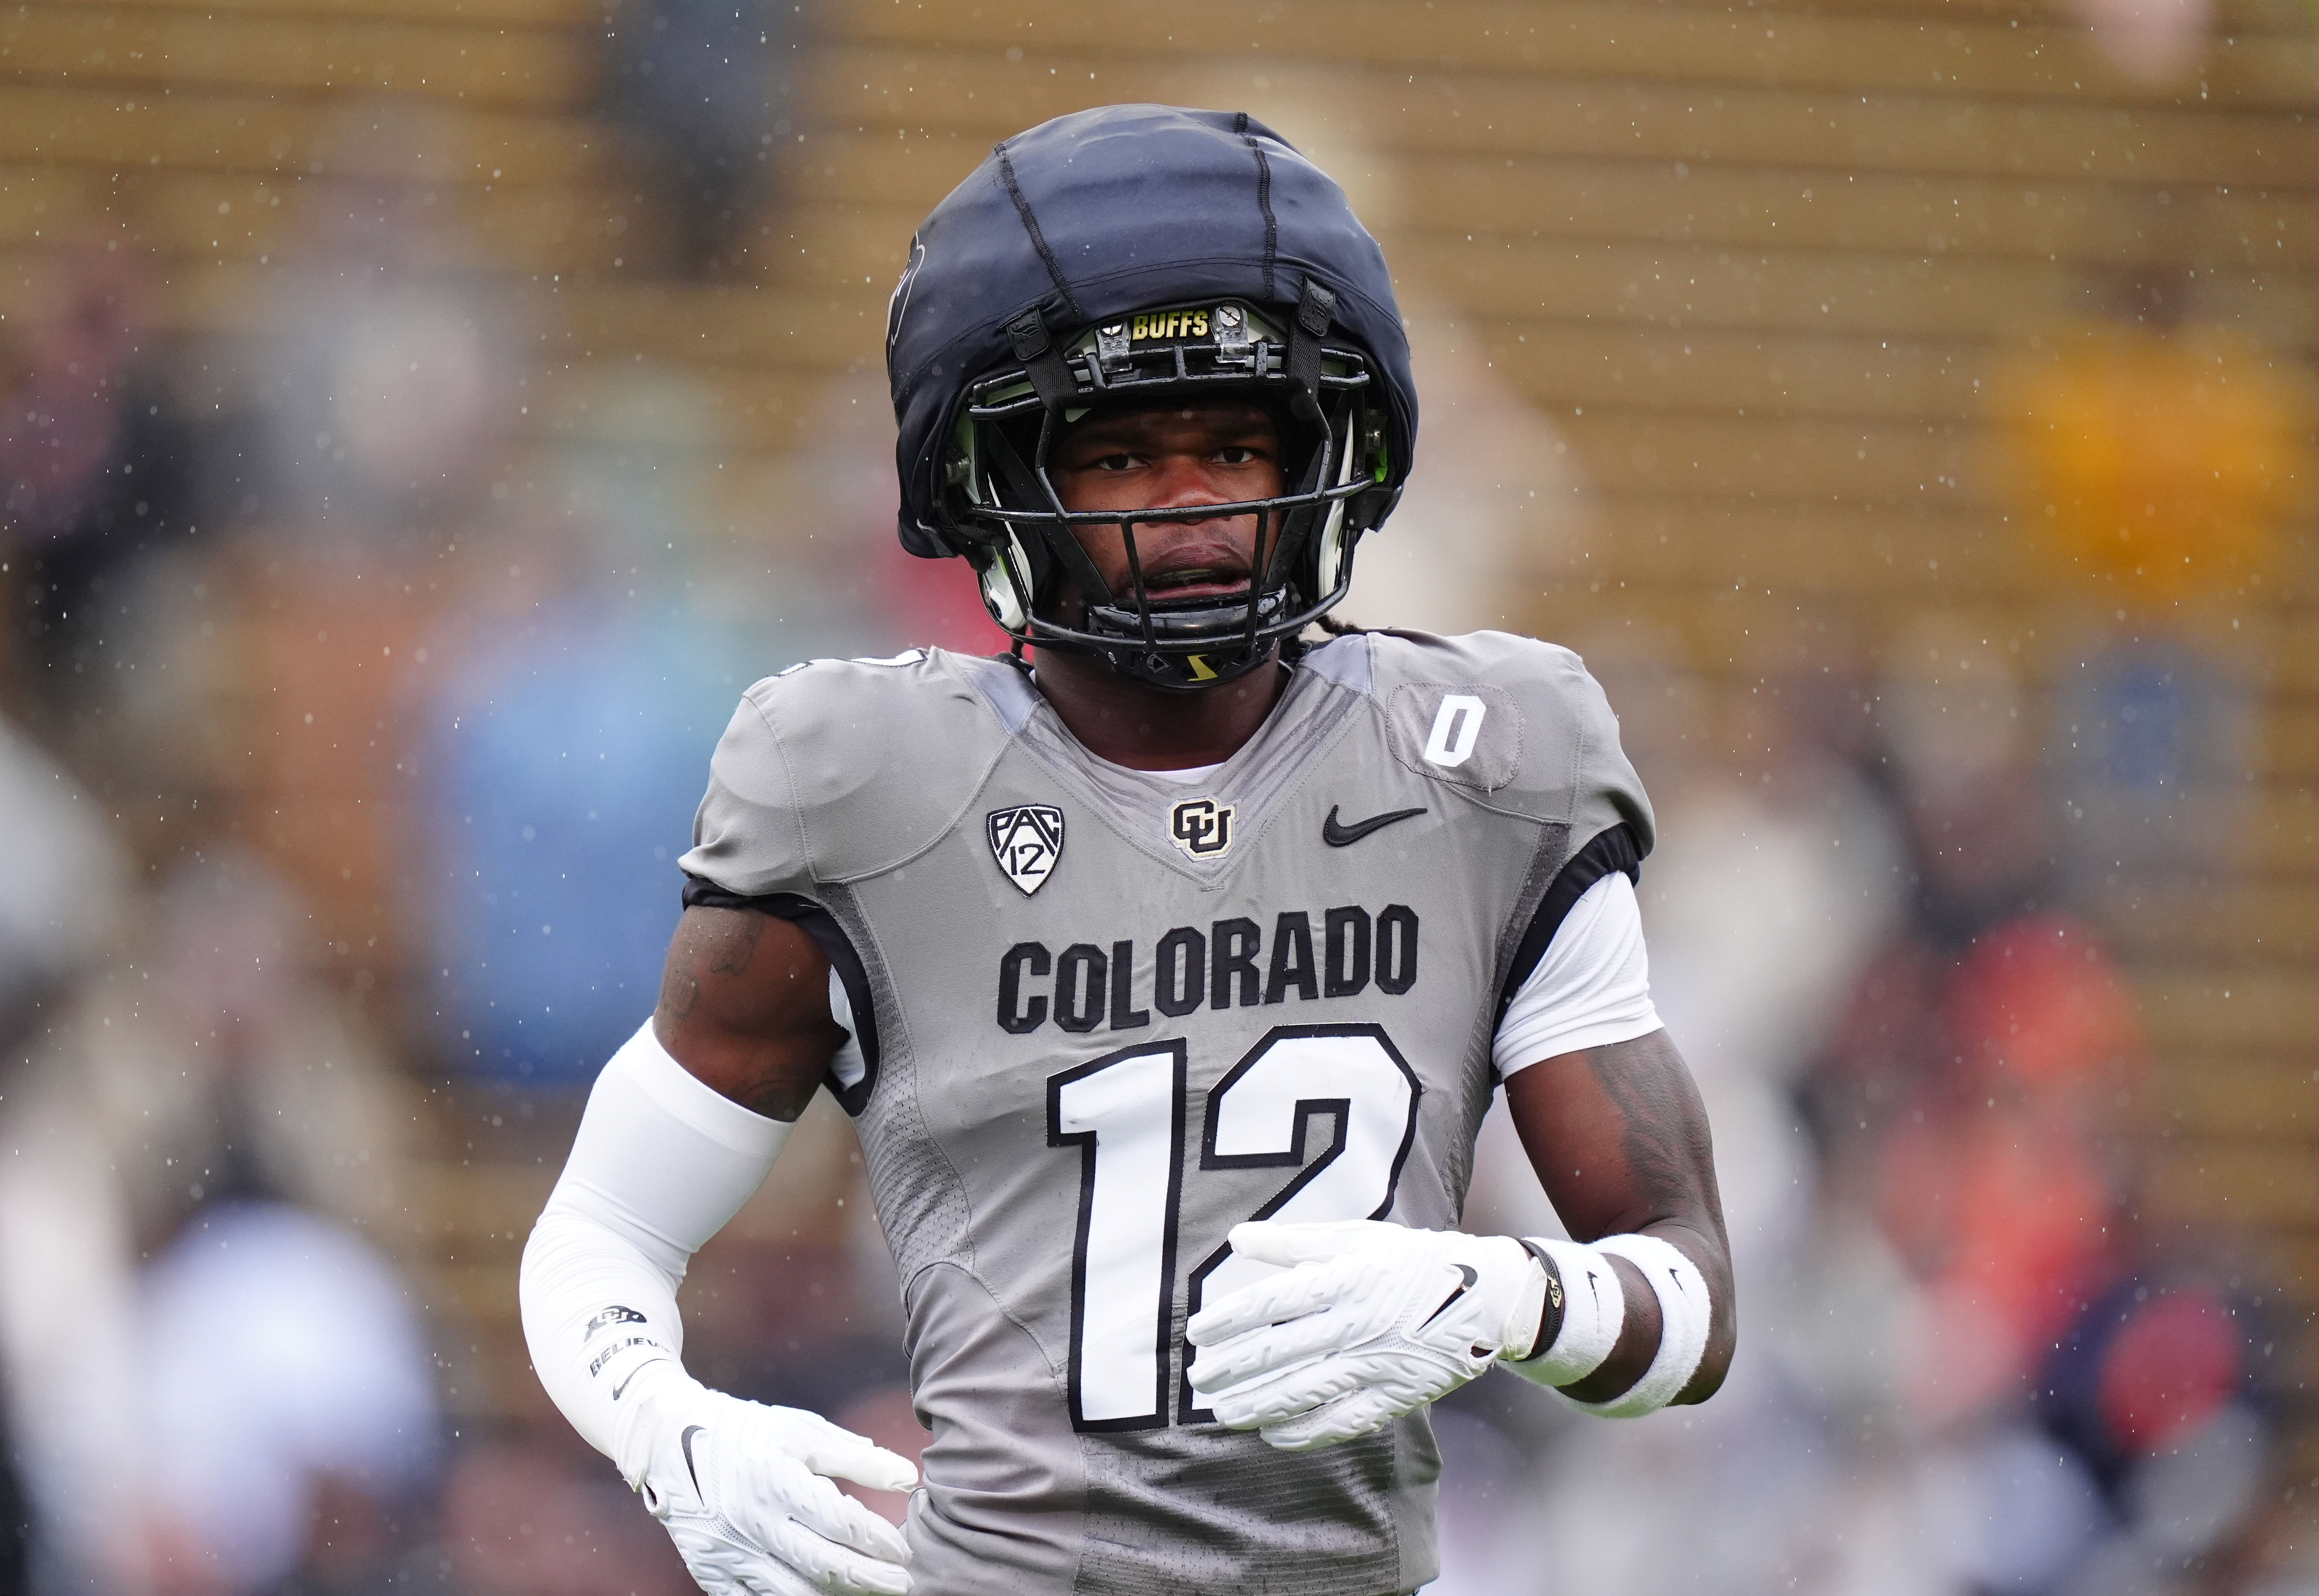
x=661 y=1163
x=1592 y=989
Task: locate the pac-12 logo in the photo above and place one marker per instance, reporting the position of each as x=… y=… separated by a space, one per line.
x=1027 y=840
x=1201 y=828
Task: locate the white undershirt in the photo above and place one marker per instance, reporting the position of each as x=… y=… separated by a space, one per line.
x=1592 y=989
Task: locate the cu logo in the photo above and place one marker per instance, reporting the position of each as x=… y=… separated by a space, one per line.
x=1200 y=828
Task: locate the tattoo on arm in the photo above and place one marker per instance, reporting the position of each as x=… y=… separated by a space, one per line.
x=680 y=994
x=745 y=1006
x=735 y=943
x=721 y=944
x=1619 y=1139
x=1664 y=1144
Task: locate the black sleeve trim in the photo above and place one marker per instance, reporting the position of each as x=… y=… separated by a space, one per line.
x=820 y=924
x=1613 y=850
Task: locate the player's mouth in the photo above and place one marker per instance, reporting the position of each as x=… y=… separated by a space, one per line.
x=1197 y=571
x=1195 y=583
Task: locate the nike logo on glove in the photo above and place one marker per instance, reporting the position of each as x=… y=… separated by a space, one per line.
x=1462 y=1287
x=1345 y=836
x=685 y=1440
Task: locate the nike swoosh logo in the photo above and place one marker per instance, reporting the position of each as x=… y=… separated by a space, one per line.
x=1463 y=1287
x=685 y=1440
x=632 y=1374
x=1345 y=836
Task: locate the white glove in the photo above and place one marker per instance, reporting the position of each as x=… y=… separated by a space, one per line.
x=1372 y=1321
x=745 y=1492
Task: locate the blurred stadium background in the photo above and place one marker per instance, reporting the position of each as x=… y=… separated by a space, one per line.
x=423 y=417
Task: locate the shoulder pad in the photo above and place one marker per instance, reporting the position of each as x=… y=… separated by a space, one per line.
x=1517 y=722
x=835 y=768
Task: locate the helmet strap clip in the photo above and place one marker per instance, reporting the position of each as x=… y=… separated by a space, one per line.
x=1314 y=309
x=1043 y=363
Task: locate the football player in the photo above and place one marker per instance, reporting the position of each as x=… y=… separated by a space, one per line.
x=1167 y=972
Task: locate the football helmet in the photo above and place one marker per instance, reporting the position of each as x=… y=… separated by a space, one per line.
x=1133 y=256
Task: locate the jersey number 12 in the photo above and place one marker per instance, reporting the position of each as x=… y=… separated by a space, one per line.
x=1126 y=1112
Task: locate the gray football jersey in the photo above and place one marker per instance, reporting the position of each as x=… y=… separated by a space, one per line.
x=1106 y=1015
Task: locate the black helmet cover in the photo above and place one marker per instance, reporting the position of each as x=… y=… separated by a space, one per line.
x=1067 y=231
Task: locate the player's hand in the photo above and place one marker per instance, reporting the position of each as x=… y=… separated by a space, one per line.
x=1369 y=1321
x=744 y=1491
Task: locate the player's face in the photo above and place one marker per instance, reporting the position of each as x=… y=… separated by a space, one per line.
x=1168 y=459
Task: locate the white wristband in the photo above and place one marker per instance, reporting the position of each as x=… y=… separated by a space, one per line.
x=1593 y=1311
x=1685 y=1316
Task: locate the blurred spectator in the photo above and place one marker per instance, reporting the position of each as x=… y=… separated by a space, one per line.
x=279 y=1352
x=1495 y=496
x=565 y=750
x=1781 y=872
x=1956 y=755
x=99 y=473
x=1985 y=1099
x=199 y=1080
x=1969 y=1369
x=62 y=879
x=848 y=502
x=2152 y=773
x=2002 y=1176
x=701 y=89
x=386 y=380
x=523 y=1517
x=388 y=393
x=2161 y=1392
x=1970 y=1098
x=61 y=889
x=2155 y=41
x=565 y=760
x=389 y=399
x=212 y=1056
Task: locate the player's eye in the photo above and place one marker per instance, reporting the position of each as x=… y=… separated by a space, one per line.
x=1238 y=455
x=1121 y=461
